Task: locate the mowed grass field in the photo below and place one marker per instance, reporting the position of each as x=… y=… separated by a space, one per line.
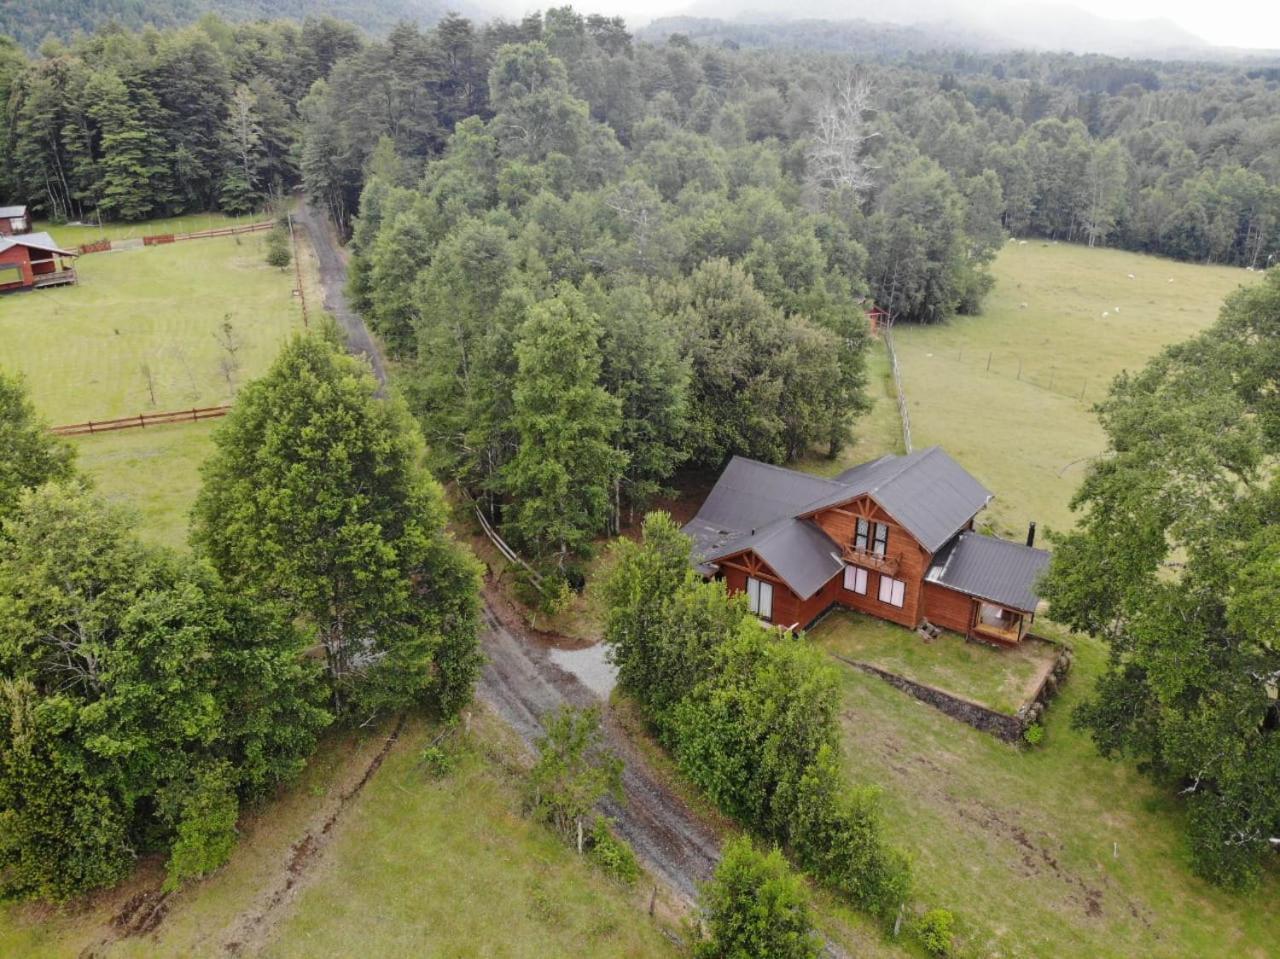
x=415 y=866
x=86 y=352
x=1028 y=439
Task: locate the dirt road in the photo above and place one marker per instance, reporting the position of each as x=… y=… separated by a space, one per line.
x=523 y=685
x=332 y=264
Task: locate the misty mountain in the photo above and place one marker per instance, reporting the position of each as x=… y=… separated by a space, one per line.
x=983 y=26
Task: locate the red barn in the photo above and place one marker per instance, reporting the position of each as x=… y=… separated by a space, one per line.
x=33 y=261
x=14 y=220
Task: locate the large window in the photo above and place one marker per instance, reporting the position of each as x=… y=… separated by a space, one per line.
x=871 y=537
x=892 y=591
x=760 y=597
x=855 y=580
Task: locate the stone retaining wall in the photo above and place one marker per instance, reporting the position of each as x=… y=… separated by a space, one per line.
x=1009 y=728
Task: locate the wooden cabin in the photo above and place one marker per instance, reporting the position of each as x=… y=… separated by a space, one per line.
x=14 y=220
x=893 y=538
x=33 y=261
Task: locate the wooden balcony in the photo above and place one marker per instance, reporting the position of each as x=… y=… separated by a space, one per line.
x=865 y=558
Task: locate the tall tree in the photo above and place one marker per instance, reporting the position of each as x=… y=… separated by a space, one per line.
x=316 y=499
x=566 y=463
x=32 y=457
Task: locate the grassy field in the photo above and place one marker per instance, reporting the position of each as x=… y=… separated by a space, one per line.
x=413 y=867
x=1049 y=852
x=1000 y=678
x=1027 y=435
x=74 y=234
x=144 y=321
x=83 y=350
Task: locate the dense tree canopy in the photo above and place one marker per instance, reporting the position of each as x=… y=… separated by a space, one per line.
x=140 y=701
x=31 y=456
x=316 y=501
x=1176 y=564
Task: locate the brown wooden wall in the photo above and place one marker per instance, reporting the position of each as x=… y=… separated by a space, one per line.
x=20 y=256
x=947 y=608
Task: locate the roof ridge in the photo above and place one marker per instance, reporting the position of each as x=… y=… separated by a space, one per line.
x=783 y=469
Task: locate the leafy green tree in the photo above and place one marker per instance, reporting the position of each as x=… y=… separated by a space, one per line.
x=566 y=465
x=315 y=499
x=1173 y=565
x=32 y=456
x=756 y=907
x=574 y=771
x=140 y=703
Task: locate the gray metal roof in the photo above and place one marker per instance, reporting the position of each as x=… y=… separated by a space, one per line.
x=926 y=491
x=34 y=241
x=990 y=568
x=763 y=508
x=12 y=211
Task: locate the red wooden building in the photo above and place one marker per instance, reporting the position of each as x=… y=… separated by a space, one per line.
x=32 y=261
x=14 y=220
x=893 y=538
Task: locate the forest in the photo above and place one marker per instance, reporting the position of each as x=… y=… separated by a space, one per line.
x=596 y=262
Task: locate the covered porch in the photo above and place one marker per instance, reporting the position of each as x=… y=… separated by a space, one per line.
x=985 y=587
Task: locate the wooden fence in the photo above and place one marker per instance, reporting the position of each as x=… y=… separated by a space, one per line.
x=142 y=419
x=104 y=246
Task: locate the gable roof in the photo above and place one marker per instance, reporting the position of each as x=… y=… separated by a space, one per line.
x=34 y=241
x=12 y=211
x=766 y=509
x=990 y=568
x=927 y=491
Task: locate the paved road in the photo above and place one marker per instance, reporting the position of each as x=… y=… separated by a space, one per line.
x=523 y=685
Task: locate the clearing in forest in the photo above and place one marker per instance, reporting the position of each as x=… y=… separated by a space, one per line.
x=1060 y=324
x=142 y=332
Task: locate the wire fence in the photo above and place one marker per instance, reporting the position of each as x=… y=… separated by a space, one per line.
x=903 y=412
x=1034 y=373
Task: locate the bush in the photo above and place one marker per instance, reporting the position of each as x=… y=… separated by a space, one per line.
x=278 y=252
x=935 y=932
x=612 y=854
x=755 y=906
x=439 y=762
x=1034 y=734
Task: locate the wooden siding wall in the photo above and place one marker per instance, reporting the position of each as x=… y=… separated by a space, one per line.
x=18 y=255
x=912 y=559
x=947 y=608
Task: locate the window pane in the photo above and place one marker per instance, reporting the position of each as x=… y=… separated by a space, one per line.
x=899 y=592
x=886 y=589
x=882 y=539
x=855 y=579
x=860 y=536
x=766 y=601
x=753 y=594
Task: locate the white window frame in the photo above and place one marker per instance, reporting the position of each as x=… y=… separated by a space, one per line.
x=861 y=534
x=855 y=580
x=895 y=589
x=880 y=539
x=760 y=598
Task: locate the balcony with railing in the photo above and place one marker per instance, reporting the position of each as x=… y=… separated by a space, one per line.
x=64 y=277
x=871 y=560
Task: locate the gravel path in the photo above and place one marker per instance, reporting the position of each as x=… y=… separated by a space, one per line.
x=522 y=684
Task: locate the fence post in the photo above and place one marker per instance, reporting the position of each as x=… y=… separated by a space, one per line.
x=142 y=421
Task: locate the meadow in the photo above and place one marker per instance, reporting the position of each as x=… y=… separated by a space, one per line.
x=417 y=866
x=140 y=333
x=1010 y=393
x=75 y=234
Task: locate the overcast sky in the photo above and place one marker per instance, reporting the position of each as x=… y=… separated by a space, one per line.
x=1233 y=23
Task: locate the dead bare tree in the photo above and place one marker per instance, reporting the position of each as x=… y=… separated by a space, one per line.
x=149 y=378
x=841 y=132
x=229 y=364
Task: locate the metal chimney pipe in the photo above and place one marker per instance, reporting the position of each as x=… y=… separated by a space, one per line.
x=1031 y=534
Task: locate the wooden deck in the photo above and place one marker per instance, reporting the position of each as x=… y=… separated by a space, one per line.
x=60 y=278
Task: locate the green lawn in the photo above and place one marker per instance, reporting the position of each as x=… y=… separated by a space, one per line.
x=154 y=471
x=1048 y=852
x=415 y=867
x=72 y=235
x=1026 y=441
x=1002 y=679
x=86 y=350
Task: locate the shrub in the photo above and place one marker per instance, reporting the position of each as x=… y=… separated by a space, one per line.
x=439 y=762
x=755 y=906
x=574 y=771
x=1034 y=734
x=613 y=854
x=935 y=932
x=278 y=252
